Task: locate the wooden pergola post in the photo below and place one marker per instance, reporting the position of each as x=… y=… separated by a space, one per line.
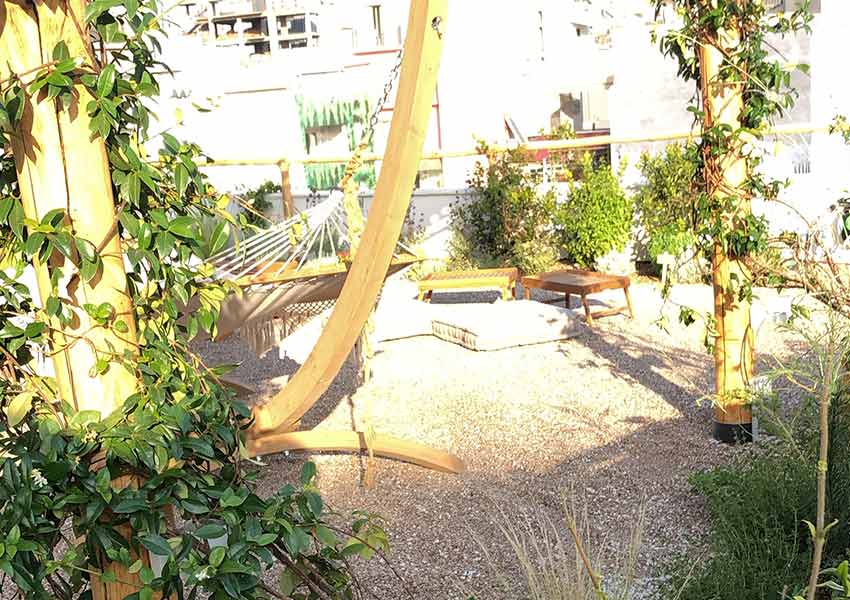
x=286 y=189
x=725 y=175
x=60 y=165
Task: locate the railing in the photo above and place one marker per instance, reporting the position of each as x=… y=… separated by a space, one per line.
x=284 y=164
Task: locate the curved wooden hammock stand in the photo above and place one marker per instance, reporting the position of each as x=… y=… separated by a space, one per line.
x=276 y=420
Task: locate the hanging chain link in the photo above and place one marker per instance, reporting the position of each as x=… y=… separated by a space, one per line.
x=388 y=88
x=356 y=160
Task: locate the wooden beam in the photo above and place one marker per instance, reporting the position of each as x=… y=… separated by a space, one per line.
x=59 y=165
x=355 y=441
x=286 y=189
x=417 y=82
x=734 y=353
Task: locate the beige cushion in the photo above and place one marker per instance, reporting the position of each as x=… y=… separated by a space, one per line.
x=505 y=324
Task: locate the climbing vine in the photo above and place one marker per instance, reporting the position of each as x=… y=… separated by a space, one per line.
x=764 y=82
x=63 y=517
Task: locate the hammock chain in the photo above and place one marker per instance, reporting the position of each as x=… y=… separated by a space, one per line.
x=363 y=351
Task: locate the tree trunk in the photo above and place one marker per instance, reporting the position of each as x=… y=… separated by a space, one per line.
x=725 y=175
x=60 y=165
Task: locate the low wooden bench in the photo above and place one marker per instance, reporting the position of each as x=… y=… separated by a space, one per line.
x=581 y=283
x=504 y=279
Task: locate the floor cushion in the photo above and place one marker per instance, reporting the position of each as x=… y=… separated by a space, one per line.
x=505 y=324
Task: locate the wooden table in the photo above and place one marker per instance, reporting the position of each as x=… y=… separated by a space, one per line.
x=581 y=283
x=504 y=279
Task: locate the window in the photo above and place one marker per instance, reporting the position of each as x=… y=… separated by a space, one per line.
x=377 y=27
x=296 y=24
x=300 y=43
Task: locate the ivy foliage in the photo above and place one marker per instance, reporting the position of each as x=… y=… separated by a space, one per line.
x=65 y=514
x=722 y=215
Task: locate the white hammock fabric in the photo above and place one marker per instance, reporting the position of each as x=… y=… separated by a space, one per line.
x=289 y=273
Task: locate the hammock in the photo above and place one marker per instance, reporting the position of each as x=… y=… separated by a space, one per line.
x=289 y=273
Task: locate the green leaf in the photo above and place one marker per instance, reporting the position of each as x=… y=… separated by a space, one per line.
x=34 y=242
x=326 y=536
x=134 y=188
x=87 y=250
x=64 y=243
x=106 y=81
x=89 y=269
x=219 y=236
x=130 y=223
x=288 y=581
x=210 y=531
x=156 y=544
x=314 y=501
x=18 y=409
x=183 y=226
x=181 y=179
x=165 y=243
x=266 y=539
x=130 y=505
x=195 y=508
x=102 y=484
x=13 y=537
x=35 y=329
x=60 y=51
x=217 y=555
x=145 y=235
x=308 y=472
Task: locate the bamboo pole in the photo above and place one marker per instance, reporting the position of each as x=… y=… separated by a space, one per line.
x=286 y=189
x=59 y=165
x=590 y=142
x=725 y=176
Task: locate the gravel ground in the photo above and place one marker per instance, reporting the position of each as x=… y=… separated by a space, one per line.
x=613 y=415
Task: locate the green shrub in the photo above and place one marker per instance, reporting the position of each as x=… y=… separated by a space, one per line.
x=256 y=199
x=597 y=218
x=670 y=239
x=533 y=257
x=505 y=220
x=760 y=547
x=664 y=202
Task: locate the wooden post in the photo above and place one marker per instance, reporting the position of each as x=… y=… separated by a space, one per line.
x=725 y=175
x=59 y=165
x=417 y=81
x=286 y=189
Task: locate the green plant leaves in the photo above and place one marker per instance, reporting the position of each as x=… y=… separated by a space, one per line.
x=18 y=408
x=210 y=531
x=156 y=544
x=106 y=81
x=177 y=441
x=183 y=226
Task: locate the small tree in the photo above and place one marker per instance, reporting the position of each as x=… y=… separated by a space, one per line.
x=506 y=219
x=597 y=216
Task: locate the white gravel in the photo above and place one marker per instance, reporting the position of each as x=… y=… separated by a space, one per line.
x=614 y=414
